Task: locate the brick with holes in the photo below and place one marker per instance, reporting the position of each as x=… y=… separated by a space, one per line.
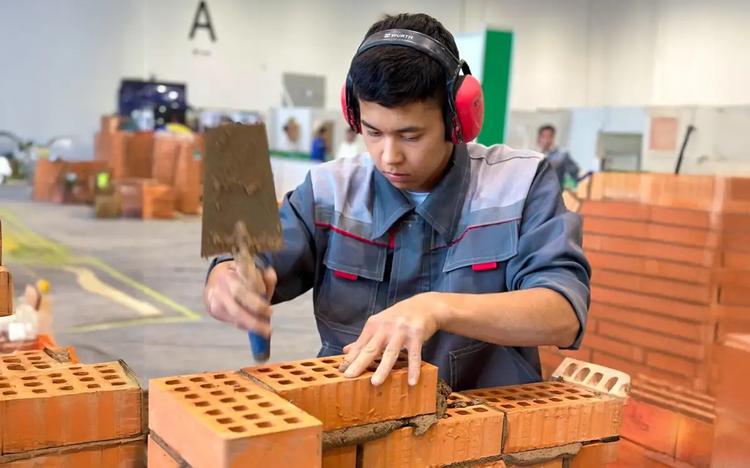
x=159 y=456
x=22 y=362
x=318 y=387
x=70 y=405
x=549 y=414
x=117 y=453
x=224 y=420
x=464 y=434
x=6 y=292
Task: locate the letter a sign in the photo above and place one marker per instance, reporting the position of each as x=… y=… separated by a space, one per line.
x=202 y=20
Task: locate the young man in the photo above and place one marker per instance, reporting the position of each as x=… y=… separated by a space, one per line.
x=463 y=255
x=560 y=160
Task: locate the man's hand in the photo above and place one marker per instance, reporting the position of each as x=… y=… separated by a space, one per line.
x=244 y=304
x=407 y=324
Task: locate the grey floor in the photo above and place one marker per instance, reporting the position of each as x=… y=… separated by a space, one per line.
x=155 y=264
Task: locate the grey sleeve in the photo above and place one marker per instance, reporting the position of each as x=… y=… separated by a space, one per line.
x=571 y=167
x=295 y=263
x=549 y=248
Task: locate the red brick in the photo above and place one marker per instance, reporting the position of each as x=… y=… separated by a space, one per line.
x=690 y=402
x=674 y=346
x=735 y=222
x=595 y=455
x=6 y=292
x=651 y=426
x=124 y=453
x=652 y=213
x=731 y=276
x=464 y=434
x=692 y=331
x=672 y=364
x=678 y=290
x=618 y=348
x=64 y=406
x=732 y=363
x=550 y=359
x=158 y=201
x=340 y=457
x=695 y=441
x=650 y=249
x=734 y=296
x=166 y=150
x=632 y=455
x=549 y=414
x=730 y=447
x=22 y=362
x=737 y=242
x=158 y=457
x=737 y=260
x=640 y=370
x=649 y=267
x=224 y=420
x=653 y=232
x=319 y=388
x=615 y=209
x=660 y=306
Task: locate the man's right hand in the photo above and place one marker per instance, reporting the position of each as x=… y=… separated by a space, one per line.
x=244 y=304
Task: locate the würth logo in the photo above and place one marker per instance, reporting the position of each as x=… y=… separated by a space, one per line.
x=398 y=36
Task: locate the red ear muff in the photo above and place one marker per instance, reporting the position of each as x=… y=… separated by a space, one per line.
x=348 y=112
x=469 y=105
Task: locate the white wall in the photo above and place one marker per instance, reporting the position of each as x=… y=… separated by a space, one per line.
x=61 y=60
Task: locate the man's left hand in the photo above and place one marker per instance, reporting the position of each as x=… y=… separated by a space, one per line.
x=406 y=325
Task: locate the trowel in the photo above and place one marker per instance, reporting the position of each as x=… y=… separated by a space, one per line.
x=240 y=211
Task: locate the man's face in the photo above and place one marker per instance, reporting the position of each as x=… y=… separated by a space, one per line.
x=407 y=143
x=546 y=140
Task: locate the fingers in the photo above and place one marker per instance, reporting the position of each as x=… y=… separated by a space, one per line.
x=352 y=350
x=270 y=280
x=371 y=351
x=250 y=300
x=390 y=356
x=414 y=350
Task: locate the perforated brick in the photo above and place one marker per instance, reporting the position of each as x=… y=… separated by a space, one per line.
x=340 y=457
x=22 y=362
x=158 y=457
x=549 y=414
x=318 y=387
x=595 y=455
x=464 y=434
x=224 y=420
x=122 y=453
x=71 y=405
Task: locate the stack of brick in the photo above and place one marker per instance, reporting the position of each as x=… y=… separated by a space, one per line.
x=306 y=413
x=158 y=201
x=6 y=283
x=671 y=258
x=732 y=430
x=667 y=425
x=188 y=179
x=56 y=412
x=65 y=181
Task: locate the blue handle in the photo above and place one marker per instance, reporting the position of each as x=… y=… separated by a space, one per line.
x=260 y=346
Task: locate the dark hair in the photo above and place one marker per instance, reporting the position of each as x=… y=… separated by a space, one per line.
x=396 y=76
x=546 y=127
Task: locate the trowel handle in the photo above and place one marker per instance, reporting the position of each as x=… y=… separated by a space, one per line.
x=259 y=345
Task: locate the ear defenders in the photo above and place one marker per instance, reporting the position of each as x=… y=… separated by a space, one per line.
x=465 y=112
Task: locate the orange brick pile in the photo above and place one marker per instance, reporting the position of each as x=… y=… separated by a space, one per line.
x=56 y=412
x=6 y=283
x=671 y=273
x=669 y=268
x=306 y=414
x=133 y=159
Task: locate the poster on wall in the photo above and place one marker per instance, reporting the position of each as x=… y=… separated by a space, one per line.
x=663 y=135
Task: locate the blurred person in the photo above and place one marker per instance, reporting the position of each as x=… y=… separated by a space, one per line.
x=566 y=169
x=349 y=147
x=461 y=254
x=319 y=146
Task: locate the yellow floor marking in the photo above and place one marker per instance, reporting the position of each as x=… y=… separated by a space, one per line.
x=25 y=247
x=88 y=280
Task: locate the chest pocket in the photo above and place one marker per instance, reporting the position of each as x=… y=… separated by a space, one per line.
x=475 y=264
x=348 y=291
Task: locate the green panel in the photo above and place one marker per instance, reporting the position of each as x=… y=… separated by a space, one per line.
x=498 y=51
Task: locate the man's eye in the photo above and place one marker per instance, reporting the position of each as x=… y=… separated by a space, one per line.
x=373 y=133
x=412 y=137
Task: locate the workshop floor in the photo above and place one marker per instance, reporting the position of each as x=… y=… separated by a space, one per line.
x=131 y=289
